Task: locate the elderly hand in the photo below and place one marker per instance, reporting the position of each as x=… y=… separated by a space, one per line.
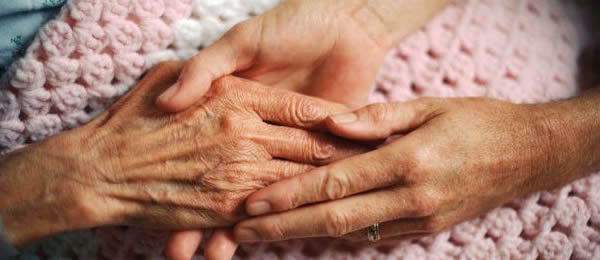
x=456 y=159
x=320 y=48
x=136 y=165
x=329 y=49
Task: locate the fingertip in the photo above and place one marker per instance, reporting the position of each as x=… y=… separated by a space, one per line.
x=220 y=246
x=258 y=208
x=188 y=90
x=257 y=204
x=183 y=245
x=349 y=126
x=335 y=128
x=164 y=100
x=186 y=97
x=273 y=198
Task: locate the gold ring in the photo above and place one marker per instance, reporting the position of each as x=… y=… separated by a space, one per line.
x=373 y=233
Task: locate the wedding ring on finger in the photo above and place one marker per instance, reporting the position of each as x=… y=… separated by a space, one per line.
x=373 y=233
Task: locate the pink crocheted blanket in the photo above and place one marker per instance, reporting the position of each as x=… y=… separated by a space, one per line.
x=524 y=51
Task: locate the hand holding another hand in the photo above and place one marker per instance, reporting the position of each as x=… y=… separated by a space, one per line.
x=318 y=48
x=456 y=159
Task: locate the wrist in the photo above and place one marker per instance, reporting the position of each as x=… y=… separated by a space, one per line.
x=572 y=139
x=39 y=198
x=389 y=21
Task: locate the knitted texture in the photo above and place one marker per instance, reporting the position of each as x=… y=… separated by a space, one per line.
x=80 y=63
x=523 y=51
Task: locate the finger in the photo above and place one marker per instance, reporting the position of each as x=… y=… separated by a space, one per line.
x=379 y=121
x=167 y=196
x=402 y=229
x=285 y=107
x=335 y=218
x=182 y=245
x=274 y=170
x=335 y=181
x=360 y=238
x=220 y=246
x=304 y=146
x=231 y=53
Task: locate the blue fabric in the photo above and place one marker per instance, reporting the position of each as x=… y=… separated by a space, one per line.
x=6 y=249
x=19 y=22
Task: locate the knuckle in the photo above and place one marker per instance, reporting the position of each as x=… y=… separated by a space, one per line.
x=379 y=113
x=336 y=224
x=244 y=150
x=243 y=146
x=305 y=112
x=418 y=164
x=335 y=186
x=427 y=203
x=409 y=170
x=322 y=150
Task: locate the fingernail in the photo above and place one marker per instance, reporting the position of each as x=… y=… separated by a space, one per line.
x=344 y=118
x=259 y=208
x=170 y=93
x=246 y=235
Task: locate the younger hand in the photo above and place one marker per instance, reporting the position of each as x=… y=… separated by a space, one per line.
x=317 y=48
x=457 y=159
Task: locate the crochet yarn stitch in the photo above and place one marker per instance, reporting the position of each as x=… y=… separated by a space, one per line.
x=80 y=63
x=524 y=51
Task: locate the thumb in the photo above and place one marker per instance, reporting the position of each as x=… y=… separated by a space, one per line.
x=224 y=57
x=380 y=121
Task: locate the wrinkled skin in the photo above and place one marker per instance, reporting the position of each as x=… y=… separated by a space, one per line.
x=136 y=165
x=456 y=159
x=329 y=49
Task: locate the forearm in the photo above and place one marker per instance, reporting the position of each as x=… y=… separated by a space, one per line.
x=36 y=200
x=573 y=137
x=388 y=21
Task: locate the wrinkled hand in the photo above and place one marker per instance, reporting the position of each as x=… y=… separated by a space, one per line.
x=317 y=48
x=137 y=165
x=457 y=159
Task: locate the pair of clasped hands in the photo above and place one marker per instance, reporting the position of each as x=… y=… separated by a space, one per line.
x=324 y=174
x=264 y=136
